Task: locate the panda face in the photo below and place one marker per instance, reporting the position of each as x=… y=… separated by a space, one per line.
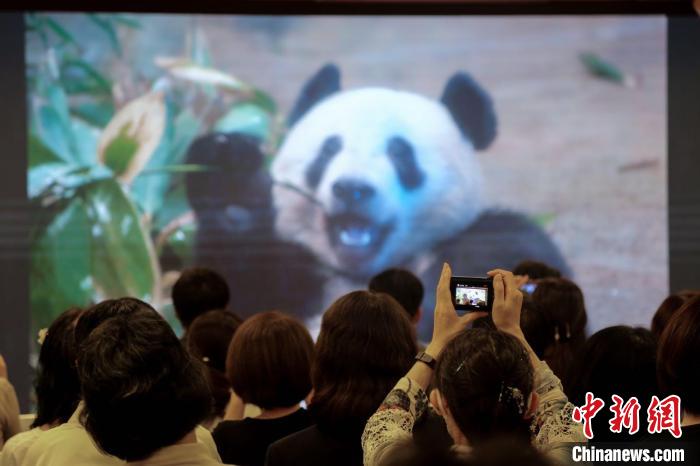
x=390 y=171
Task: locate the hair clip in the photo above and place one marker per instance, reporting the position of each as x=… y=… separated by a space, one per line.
x=513 y=394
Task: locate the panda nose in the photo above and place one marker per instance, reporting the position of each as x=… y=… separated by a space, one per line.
x=352 y=191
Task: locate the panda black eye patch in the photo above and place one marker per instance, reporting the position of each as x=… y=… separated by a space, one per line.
x=403 y=158
x=330 y=147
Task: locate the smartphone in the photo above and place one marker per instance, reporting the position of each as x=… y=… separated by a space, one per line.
x=470 y=294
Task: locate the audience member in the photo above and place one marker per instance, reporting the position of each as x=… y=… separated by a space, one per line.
x=197 y=291
x=561 y=300
x=57 y=386
x=208 y=340
x=404 y=287
x=500 y=451
x=69 y=444
x=365 y=345
x=487 y=383
x=677 y=366
x=536 y=326
x=144 y=394
x=667 y=308
x=269 y=365
x=619 y=361
x=9 y=407
x=535 y=270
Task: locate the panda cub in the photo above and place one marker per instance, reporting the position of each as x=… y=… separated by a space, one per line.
x=366 y=179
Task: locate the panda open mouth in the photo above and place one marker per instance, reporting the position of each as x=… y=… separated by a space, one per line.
x=354 y=237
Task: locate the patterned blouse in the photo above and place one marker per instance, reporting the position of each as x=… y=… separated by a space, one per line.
x=553 y=430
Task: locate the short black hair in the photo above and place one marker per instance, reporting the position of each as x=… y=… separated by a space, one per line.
x=142 y=390
x=536 y=270
x=57 y=385
x=95 y=315
x=269 y=360
x=402 y=285
x=197 y=291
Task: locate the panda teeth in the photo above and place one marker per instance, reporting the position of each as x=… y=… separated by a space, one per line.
x=356 y=237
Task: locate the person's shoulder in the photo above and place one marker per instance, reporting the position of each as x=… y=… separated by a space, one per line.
x=298 y=440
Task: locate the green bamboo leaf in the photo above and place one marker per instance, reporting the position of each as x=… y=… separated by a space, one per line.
x=123 y=261
x=247 y=118
x=605 y=69
x=96 y=112
x=264 y=100
x=60 y=264
x=119 y=152
x=59 y=30
x=182 y=168
x=81 y=71
x=108 y=29
x=39 y=153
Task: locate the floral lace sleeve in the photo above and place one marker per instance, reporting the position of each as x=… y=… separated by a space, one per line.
x=393 y=421
x=553 y=429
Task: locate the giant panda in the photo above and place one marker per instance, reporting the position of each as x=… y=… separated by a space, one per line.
x=366 y=179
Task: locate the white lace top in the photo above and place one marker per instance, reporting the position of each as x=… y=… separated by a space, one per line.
x=553 y=430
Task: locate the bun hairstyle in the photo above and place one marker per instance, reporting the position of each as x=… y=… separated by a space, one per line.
x=486 y=379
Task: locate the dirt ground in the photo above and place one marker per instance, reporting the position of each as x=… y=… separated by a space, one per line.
x=585 y=155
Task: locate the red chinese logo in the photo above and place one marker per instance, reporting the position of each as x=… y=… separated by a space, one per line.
x=665 y=415
x=624 y=415
x=587 y=412
x=661 y=415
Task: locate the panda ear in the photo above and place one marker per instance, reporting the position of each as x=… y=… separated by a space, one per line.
x=472 y=109
x=325 y=82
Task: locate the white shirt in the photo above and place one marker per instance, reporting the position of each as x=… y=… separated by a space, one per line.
x=71 y=445
x=15 y=449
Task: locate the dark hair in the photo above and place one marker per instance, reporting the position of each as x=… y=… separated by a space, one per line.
x=197 y=291
x=401 y=285
x=536 y=326
x=269 y=360
x=142 y=390
x=677 y=363
x=95 y=315
x=208 y=339
x=561 y=300
x=57 y=385
x=365 y=345
x=536 y=270
x=499 y=451
x=667 y=308
x=617 y=360
x=486 y=379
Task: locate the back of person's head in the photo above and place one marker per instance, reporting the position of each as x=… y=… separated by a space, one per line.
x=677 y=363
x=499 y=451
x=142 y=389
x=561 y=300
x=269 y=360
x=486 y=379
x=617 y=360
x=208 y=339
x=401 y=285
x=536 y=270
x=57 y=385
x=536 y=326
x=197 y=291
x=95 y=315
x=365 y=345
x=667 y=308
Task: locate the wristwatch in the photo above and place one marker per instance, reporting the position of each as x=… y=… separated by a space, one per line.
x=425 y=358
